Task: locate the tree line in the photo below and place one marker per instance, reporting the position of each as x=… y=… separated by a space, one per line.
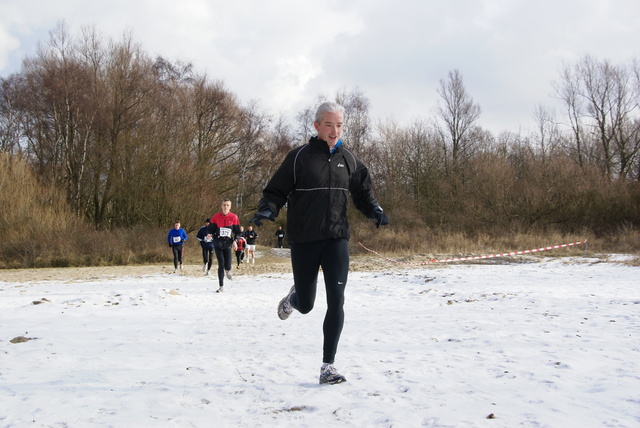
x=132 y=140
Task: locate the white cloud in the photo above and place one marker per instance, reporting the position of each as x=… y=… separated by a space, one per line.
x=8 y=43
x=286 y=52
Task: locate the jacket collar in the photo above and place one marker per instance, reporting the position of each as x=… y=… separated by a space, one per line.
x=321 y=144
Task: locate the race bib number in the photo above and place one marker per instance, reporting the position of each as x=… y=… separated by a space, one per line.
x=225 y=232
x=176 y=239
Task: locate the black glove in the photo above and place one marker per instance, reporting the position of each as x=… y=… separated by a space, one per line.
x=170 y=246
x=262 y=215
x=379 y=217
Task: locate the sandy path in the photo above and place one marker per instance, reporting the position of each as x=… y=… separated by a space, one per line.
x=268 y=261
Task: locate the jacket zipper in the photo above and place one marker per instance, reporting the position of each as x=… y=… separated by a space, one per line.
x=328 y=210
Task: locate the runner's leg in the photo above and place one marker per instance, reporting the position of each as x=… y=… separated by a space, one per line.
x=335 y=268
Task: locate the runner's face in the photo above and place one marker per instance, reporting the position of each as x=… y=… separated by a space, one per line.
x=176 y=226
x=329 y=128
x=226 y=207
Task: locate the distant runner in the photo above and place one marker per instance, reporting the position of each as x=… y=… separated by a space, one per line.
x=206 y=242
x=251 y=236
x=280 y=236
x=176 y=238
x=224 y=226
x=241 y=245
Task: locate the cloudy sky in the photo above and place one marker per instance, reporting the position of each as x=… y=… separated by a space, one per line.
x=285 y=53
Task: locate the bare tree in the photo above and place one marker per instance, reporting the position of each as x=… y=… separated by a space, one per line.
x=568 y=91
x=603 y=97
x=270 y=142
x=459 y=114
x=356 y=119
x=305 y=119
x=60 y=118
x=253 y=149
x=10 y=116
x=548 y=136
x=129 y=85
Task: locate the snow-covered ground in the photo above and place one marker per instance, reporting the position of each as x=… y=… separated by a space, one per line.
x=551 y=343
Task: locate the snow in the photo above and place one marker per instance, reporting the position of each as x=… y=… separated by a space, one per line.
x=547 y=343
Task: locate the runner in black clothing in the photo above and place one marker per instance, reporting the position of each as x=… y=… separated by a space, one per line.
x=280 y=235
x=315 y=180
x=250 y=236
x=206 y=242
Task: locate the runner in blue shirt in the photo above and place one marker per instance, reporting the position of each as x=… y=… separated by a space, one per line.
x=176 y=238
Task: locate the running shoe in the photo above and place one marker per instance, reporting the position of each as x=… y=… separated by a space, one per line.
x=329 y=374
x=284 y=307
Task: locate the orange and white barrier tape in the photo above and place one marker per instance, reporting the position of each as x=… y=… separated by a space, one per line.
x=459 y=259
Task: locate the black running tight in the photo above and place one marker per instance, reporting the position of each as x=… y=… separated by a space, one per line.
x=178 y=252
x=333 y=256
x=207 y=257
x=224 y=263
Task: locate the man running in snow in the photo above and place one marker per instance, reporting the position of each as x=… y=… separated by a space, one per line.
x=250 y=236
x=241 y=244
x=280 y=235
x=224 y=226
x=314 y=181
x=176 y=238
x=206 y=242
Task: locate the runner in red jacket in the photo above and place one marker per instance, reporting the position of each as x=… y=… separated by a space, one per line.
x=241 y=244
x=224 y=227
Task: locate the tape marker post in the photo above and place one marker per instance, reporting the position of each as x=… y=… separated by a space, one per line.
x=491 y=256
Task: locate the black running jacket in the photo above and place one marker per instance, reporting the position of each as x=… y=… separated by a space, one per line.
x=315 y=184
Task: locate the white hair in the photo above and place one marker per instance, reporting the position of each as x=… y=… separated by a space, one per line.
x=328 y=107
